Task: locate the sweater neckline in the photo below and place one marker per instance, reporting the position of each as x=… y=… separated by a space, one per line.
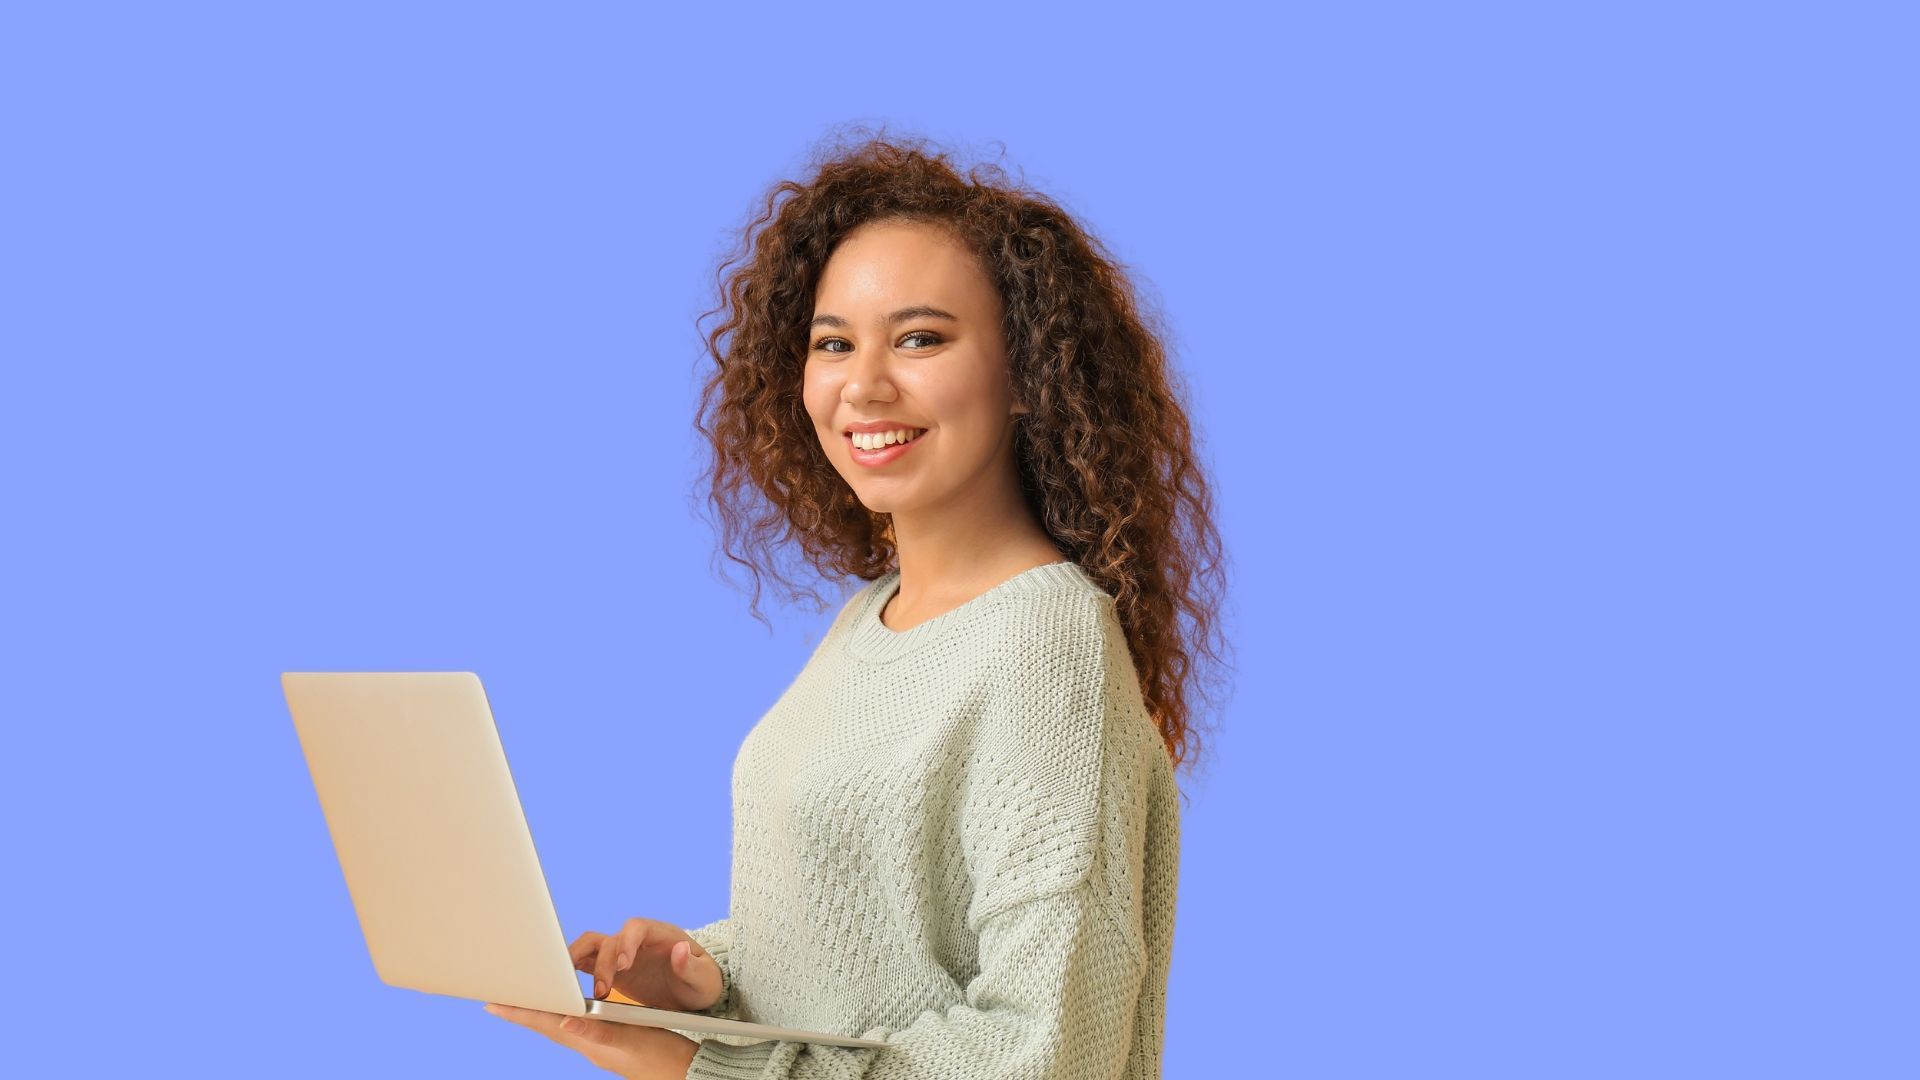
x=871 y=639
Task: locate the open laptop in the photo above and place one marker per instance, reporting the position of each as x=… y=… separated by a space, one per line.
x=438 y=858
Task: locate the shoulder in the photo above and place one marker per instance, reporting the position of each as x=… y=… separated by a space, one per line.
x=1060 y=619
x=1054 y=647
x=1058 y=660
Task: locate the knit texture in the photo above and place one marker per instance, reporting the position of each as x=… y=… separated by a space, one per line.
x=962 y=839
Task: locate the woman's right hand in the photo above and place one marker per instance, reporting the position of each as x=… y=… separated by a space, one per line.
x=652 y=962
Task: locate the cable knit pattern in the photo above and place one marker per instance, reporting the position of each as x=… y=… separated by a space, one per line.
x=962 y=839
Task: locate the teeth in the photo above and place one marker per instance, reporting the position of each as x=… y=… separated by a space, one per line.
x=874 y=440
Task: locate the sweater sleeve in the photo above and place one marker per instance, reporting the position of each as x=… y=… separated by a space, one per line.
x=717 y=939
x=1054 y=1000
x=1061 y=967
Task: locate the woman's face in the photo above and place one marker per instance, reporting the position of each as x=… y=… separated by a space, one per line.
x=907 y=330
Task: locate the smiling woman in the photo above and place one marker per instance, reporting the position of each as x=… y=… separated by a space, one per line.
x=957 y=831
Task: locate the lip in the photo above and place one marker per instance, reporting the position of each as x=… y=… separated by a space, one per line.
x=871 y=426
x=873 y=459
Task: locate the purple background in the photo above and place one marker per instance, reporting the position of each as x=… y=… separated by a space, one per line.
x=1555 y=364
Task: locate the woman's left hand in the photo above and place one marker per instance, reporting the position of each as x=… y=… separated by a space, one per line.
x=629 y=1050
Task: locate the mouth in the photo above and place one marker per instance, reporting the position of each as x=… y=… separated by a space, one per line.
x=884 y=455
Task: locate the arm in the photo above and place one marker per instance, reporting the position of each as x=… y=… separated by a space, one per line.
x=1055 y=997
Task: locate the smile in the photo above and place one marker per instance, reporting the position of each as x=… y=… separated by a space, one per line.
x=885 y=455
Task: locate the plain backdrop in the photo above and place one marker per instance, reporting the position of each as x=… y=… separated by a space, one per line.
x=1554 y=364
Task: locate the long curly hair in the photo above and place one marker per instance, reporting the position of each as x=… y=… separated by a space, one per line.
x=1107 y=457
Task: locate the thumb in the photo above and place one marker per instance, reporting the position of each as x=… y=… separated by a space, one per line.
x=698 y=968
x=692 y=953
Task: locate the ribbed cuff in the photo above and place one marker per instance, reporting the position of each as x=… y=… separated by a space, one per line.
x=724 y=1061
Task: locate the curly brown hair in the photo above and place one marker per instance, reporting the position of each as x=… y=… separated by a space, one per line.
x=1106 y=457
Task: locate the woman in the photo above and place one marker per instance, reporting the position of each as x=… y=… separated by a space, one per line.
x=958 y=829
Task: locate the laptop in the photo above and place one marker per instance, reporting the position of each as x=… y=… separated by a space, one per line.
x=438 y=858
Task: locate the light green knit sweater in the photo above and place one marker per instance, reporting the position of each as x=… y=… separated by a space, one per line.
x=961 y=838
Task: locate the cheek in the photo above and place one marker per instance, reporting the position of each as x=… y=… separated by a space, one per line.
x=819 y=400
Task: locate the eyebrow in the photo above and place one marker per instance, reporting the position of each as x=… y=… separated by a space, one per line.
x=918 y=311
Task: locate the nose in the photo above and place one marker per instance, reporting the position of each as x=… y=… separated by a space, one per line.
x=867 y=377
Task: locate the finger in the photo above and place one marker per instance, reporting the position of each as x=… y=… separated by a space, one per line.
x=699 y=972
x=565 y=1030
x=552 y=1025
x=603 y=966
x=505 y=1012
x=584 y=948
x=695 y=952
x=633 y=937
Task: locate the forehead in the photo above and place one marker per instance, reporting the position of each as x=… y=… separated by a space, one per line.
x=885 y=264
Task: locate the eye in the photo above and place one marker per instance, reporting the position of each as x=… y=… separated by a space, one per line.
x=821 y=345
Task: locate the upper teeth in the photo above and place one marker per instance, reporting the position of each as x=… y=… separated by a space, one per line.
x=874 y=440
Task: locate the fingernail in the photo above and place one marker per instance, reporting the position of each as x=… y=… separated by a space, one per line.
x=624 y=961
x=599 y=988
x=571 y=1027
x=493 y=1008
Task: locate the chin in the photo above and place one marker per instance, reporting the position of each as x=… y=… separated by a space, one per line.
x=876 y=498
